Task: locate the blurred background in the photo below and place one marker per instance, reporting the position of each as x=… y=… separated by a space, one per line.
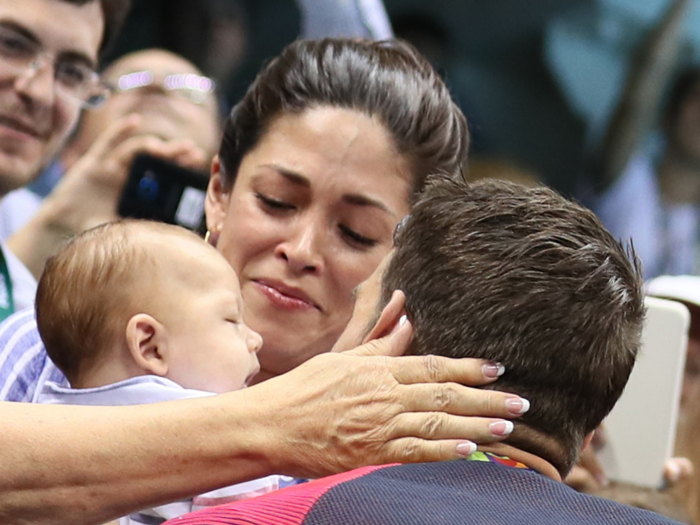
x=538 y=79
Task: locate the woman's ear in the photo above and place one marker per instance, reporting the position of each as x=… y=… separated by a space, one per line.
x=217 y=200
x=390 y=317
x=148 y=344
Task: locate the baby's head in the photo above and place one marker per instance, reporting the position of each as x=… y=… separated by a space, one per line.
x=133 y=297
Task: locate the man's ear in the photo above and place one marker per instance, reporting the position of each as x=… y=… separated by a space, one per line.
x=217 y=200
x=389 y=318
x=587 y=439
x=147 y=341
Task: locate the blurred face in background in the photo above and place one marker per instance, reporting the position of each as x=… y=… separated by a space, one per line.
x=171 y=94
x=685 y=131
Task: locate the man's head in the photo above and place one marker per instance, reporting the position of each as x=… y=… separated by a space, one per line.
x=526 y=278
x=136 y=297
x=174 y=98
x=46 y=48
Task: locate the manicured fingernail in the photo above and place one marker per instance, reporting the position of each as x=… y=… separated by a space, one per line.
x=501 y=428
x=673 y=472
x=402 y=320
x=466 y=448
x=493 y=369
x=517 y=405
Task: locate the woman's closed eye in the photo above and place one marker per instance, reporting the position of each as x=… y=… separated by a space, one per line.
x=273 y=204
x=355 y=238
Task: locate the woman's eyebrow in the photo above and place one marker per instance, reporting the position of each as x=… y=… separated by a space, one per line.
x=364 y=200
x=352 y=198
x=291 y=176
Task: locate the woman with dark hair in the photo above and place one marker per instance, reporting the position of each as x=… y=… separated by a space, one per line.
x=319 y=162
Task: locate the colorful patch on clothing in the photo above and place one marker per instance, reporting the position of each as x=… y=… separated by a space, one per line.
x=489 y=457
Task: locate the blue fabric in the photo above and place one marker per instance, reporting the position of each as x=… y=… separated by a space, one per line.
x=133 y=391
x=665 y=236
x=24 y=365
x=467 y=492
x=344 y=18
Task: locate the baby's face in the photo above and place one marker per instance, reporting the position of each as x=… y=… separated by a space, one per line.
x=209 y=346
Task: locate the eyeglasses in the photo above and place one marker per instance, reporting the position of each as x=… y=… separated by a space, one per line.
x=21 y=56
x=191 y=87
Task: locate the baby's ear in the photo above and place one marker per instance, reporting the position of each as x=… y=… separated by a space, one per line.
x=147 y=342
x=389 y=318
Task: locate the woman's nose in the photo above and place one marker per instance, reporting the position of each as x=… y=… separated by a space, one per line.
x=302 y=251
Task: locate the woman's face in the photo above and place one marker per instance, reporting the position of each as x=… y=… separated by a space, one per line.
x=310 y=216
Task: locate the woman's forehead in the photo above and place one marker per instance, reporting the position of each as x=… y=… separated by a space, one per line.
x=331 y=141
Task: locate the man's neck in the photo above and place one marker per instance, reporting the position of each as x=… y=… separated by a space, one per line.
x=536 y=463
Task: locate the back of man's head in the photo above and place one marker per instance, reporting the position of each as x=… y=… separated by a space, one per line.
x=526 y=278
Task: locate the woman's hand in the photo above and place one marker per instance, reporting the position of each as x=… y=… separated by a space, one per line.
x=340 y=411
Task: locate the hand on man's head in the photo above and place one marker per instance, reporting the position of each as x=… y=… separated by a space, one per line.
x=366 y=406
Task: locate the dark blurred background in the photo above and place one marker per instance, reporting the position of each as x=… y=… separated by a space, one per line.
x=537 y=79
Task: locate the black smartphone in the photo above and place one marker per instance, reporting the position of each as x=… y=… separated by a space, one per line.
x=160 y=190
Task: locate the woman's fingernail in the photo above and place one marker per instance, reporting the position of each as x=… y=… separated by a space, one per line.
x=403 y=319
x=517 y=405
x=673 y=472
x=466 y=448
x=492 y=370
x=501 y=428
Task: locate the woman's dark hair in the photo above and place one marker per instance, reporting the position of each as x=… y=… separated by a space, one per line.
x=389 y=81
x=114 y=12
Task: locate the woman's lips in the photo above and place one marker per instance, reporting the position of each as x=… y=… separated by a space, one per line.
x=285 y=297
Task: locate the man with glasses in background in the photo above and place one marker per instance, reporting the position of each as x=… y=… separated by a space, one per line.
x=48 y=58
x=49 y=53
x=159 y=104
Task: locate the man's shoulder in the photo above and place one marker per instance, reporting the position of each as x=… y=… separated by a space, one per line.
x=435 y=494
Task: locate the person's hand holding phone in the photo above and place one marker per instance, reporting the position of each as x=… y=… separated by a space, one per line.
x=89 y=191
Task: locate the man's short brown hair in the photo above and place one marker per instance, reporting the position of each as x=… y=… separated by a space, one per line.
x=114 y=12
x=526 y=278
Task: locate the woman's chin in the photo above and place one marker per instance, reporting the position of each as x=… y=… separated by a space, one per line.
x=278 y=360
x=261 y=376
